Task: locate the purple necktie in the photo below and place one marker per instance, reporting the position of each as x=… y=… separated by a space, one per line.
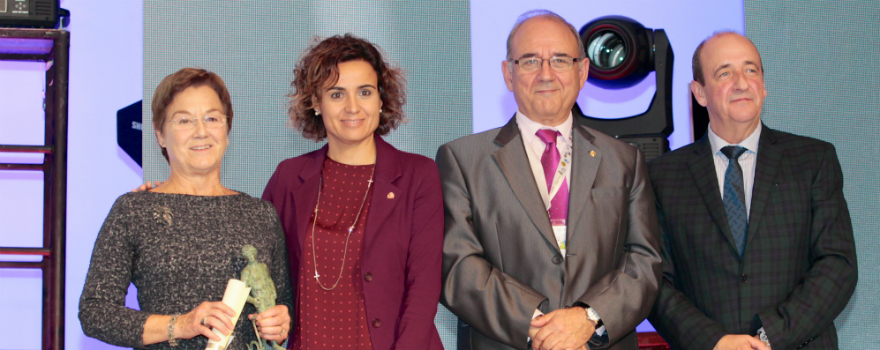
x=550 y=162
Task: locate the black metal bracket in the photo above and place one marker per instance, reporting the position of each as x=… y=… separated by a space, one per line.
x=53 y=47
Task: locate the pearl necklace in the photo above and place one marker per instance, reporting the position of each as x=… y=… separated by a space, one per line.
x=350 y=229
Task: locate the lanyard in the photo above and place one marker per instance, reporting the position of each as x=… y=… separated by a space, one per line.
x=564 y=163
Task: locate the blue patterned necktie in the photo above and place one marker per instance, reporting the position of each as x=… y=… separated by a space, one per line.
x=735 y=197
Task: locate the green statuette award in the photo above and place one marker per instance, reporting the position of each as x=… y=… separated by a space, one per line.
x=256 y=276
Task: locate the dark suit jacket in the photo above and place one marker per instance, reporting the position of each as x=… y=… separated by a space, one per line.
x=403 y=240
x=501 y=260
x=799 y=266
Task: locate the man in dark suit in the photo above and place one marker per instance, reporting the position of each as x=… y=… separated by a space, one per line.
x=758 y=246
x=521 y=258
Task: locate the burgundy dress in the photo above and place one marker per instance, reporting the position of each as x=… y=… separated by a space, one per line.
x=335 y=319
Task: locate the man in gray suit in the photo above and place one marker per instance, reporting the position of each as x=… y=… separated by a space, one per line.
x=524 y=262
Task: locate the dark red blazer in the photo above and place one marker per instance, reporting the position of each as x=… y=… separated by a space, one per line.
x=403 y=243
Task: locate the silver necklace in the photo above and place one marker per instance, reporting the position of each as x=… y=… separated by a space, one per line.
x=350 y=229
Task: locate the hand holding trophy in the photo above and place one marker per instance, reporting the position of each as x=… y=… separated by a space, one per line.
x=271 y=322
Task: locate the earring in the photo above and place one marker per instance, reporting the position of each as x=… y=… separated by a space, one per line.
x=380 y=110
x=317 y=112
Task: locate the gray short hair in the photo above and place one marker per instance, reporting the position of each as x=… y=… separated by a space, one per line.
x=549 y=15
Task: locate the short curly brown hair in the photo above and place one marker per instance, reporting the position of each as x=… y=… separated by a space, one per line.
x=181 y=80
x=320 y=66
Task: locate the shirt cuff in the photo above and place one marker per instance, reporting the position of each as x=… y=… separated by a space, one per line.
x=763 y=336
x=600 y=331
x=535 y=315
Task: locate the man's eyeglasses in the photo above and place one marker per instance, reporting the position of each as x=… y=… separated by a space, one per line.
x=557 y=63
x=212 y=121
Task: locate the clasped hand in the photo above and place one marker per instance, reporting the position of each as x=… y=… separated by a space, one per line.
x=562 y=329
x=740 y=342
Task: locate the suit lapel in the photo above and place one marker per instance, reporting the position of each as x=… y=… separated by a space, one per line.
x=306 y=195
x=585 y=166
x=702 y=166
x=515 y=167
x=769 y=158
x=387 y=172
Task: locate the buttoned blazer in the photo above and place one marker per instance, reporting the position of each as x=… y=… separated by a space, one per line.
x=402 y=244
x=501 y=260
x=798 y=269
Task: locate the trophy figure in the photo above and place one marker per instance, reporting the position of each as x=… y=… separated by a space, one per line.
x=256 y=276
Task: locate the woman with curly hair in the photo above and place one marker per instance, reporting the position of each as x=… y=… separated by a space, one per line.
x=364 y=221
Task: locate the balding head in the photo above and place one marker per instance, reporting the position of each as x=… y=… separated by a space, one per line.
x=546 y=94
x=732 y=87
x=696 y=61
x=546 y=14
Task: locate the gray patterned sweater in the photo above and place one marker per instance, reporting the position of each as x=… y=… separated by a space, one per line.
x=177 y=266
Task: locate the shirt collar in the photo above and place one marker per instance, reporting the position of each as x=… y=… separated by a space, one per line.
x=529 y=127
x=750 y=143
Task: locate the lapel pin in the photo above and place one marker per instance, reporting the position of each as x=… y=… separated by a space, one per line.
x=592 y=153
x=390 y=195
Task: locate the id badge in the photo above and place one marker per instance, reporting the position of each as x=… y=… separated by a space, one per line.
x=559 y=229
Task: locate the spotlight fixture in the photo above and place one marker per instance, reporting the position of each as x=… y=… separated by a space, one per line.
x=32 y=14
x=622 y=52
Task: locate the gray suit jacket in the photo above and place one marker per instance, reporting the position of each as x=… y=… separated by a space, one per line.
x=501 y=260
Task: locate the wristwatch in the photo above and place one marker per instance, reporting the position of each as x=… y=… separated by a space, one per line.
x=591 y=314
x=594 y=316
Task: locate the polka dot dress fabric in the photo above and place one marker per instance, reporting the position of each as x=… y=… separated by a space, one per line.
x=335 y=319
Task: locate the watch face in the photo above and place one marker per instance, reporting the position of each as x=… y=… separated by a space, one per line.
x=594 y=316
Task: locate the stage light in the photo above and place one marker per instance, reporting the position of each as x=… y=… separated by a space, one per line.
x=33 y=14
x=622 y=52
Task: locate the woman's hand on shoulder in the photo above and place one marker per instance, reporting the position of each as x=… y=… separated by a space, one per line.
x=273 y=324
x=147 y=186
x=203 y=318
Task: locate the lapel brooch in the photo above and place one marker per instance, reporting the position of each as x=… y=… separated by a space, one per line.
x=163 y=215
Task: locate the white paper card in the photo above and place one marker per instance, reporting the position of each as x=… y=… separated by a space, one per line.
x=235 y=297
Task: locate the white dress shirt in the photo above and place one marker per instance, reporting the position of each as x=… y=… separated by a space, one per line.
x=535 y=149
x=746 y=161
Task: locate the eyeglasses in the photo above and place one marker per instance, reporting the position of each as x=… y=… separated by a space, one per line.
x=212 y=121
x=557 y=63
